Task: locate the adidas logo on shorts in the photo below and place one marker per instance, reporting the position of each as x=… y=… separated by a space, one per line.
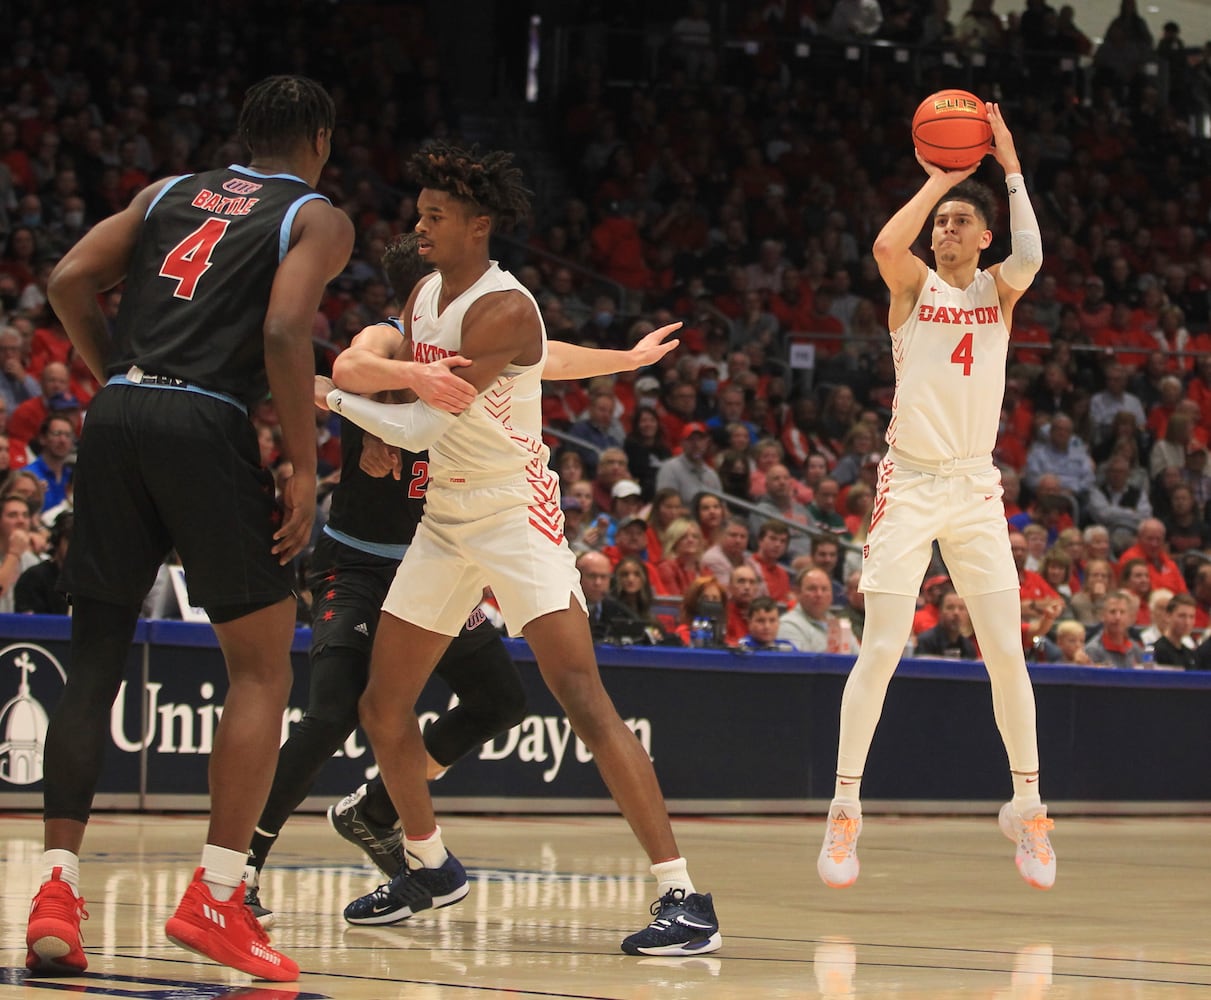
x=363 y=628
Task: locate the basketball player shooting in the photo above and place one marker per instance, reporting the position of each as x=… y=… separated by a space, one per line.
x=950 y=336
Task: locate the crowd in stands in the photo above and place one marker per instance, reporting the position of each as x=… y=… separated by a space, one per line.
x=740 y=194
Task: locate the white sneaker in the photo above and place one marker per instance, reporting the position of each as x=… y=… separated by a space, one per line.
x=838 y=861
x=1034 y=857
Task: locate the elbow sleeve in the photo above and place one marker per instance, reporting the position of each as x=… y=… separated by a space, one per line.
x=1026 y=242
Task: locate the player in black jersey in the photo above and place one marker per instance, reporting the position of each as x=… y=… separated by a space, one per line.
x=371 y=522
x=223 y=271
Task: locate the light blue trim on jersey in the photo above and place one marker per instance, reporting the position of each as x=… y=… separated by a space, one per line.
x=163 y=191
x=395 y=322
x=256 y=173
x=288 y=222
x=382 y=549
x=221 y=396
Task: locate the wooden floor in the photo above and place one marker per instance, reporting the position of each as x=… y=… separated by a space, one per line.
x=939 y=912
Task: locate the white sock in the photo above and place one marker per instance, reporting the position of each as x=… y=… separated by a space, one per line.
x=427 y=853
x=673 y=874
x=68 y=865
x=1026 y=793
x=223 y=871
x=848 y=789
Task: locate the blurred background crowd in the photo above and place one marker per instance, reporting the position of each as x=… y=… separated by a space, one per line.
x=723 y=165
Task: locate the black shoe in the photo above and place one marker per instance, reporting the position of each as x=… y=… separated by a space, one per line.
x=684 y=925
x=409 y=893
x=381 y=843
x=252 y=899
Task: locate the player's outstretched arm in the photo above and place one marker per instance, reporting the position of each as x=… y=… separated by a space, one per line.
x=93 y=265
x=1016 y=273
x=571 y=361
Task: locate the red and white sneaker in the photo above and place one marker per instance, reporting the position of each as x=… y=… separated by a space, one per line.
x=227 y=932
x=55 y=944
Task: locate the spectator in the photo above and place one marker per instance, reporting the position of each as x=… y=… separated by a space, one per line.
x=707 y=509
x=1117 y=505
x=599 y=427
x=1113 y=645
x=688 y=473
x=704 y=599
x=56 y=454
x=24 y=421
x=666 y=507
x=630 y=538
x=826 y=555
x=1186 y=528
x=1070 y=643
x=15 y=525
x=625 y=502
x=1136 y=583
x=1202 y=599
x=928 y=614
x=1105 y=405
x=780 y=501
x=16 y=383
x=763 y=626
x=772 y=540
x=822 y=513
x=631 y=585
x=808 y=624
x=947 y=638
x=742 y=590
x=611 y=470
x=681 y=410
x=1150 y=547
x=645 y=447
x=682 y=562
x=1034 y=591
x=1062 y=455
x=1170 y=451
x=604 y=611
x=730 y=552
x=37 y=589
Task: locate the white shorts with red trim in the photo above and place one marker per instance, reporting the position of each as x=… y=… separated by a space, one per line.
x=959 y=505
x=505 y=536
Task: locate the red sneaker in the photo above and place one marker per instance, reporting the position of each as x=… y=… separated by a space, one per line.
x=226 y=932
x=53 y=938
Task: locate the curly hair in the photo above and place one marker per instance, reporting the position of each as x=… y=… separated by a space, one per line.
x=488 y=182
x=403 y=266
x=975 y=194
x=281 y=111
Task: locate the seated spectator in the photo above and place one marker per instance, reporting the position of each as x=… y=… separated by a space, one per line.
x=1168 y=452
x=742 y=590
x=629 y=540
x=604 y=611
x=682 y=562
x=763 y=626
x=767 y=453
x=822 y=512
x=1158 y=617
x=1135 y=581
x=16 y=383
x=1117 y=505
x=1186 y=529
x=1062 y=455
x=611 y=469
x=780 y=500
x=730 y=552
x=1114 y=399
x=1196 y=474
x=932 y=591
x=18 y=555
x=574 y=525
x=1037 y=544
x=1056 y=570
x=704 y=601
x=826 y=555
x=626 y=500
x=1113 y=645
x=1036 y=630
x=1162 y=411
x=808 y=624
x=1097 y=543
x=1201 y=591
x=1150 y=547
x=688 y=473
x=666 y=507
x=860 y=442
x=730 y=411
x=646 y=447
x=1033 y=588
x=707 y=509
x=570 y=468
x=1070 y=641
x=854 y=607
x=631 y=585
x=1175 y=647
x=24 y=421
x=946 y=639
x=37 y=590
x=1099 y=581
x=772 y=540
x=1051 y=507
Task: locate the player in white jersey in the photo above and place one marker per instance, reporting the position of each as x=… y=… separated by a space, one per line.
x=950 y=333
x=492 y=517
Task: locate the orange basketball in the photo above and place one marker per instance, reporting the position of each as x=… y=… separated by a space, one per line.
x=950 y=129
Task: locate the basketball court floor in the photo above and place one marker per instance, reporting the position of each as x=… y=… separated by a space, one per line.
x=939 y=912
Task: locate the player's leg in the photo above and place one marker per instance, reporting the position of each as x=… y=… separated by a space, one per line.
x=1024 y=820
x=563 y=646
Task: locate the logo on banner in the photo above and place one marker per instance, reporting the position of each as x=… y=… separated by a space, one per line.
x=38 y=679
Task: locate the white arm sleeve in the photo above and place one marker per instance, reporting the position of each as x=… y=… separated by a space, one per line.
x=414 y=426
x=1026 y=247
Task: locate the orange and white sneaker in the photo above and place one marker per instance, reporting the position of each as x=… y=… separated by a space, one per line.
x=227 y=932
x=53 y=939
x=1034 y=856
x=838 y=860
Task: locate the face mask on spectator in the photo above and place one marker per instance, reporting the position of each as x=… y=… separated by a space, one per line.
x=73 y=220
x=603 y=318
x=33 y=220
x=708 y=386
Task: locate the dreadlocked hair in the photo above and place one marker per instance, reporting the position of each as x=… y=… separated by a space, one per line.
x=488 y=182
x=279 y=112
x=403 y=266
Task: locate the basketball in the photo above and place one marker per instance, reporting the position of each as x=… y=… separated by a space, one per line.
x=950 y=129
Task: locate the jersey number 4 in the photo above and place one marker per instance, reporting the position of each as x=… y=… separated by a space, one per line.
x=962 y=354
x=190 y=259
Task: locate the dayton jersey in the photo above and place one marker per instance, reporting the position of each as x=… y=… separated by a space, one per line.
x=500 y=433
x=199 y=279
x=950 y=371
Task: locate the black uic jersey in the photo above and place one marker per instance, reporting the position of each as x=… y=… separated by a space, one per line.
x=384 y=511
x=198 y=284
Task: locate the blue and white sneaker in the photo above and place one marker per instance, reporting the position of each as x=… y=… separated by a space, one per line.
x=409 y=893
x=684 y=925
